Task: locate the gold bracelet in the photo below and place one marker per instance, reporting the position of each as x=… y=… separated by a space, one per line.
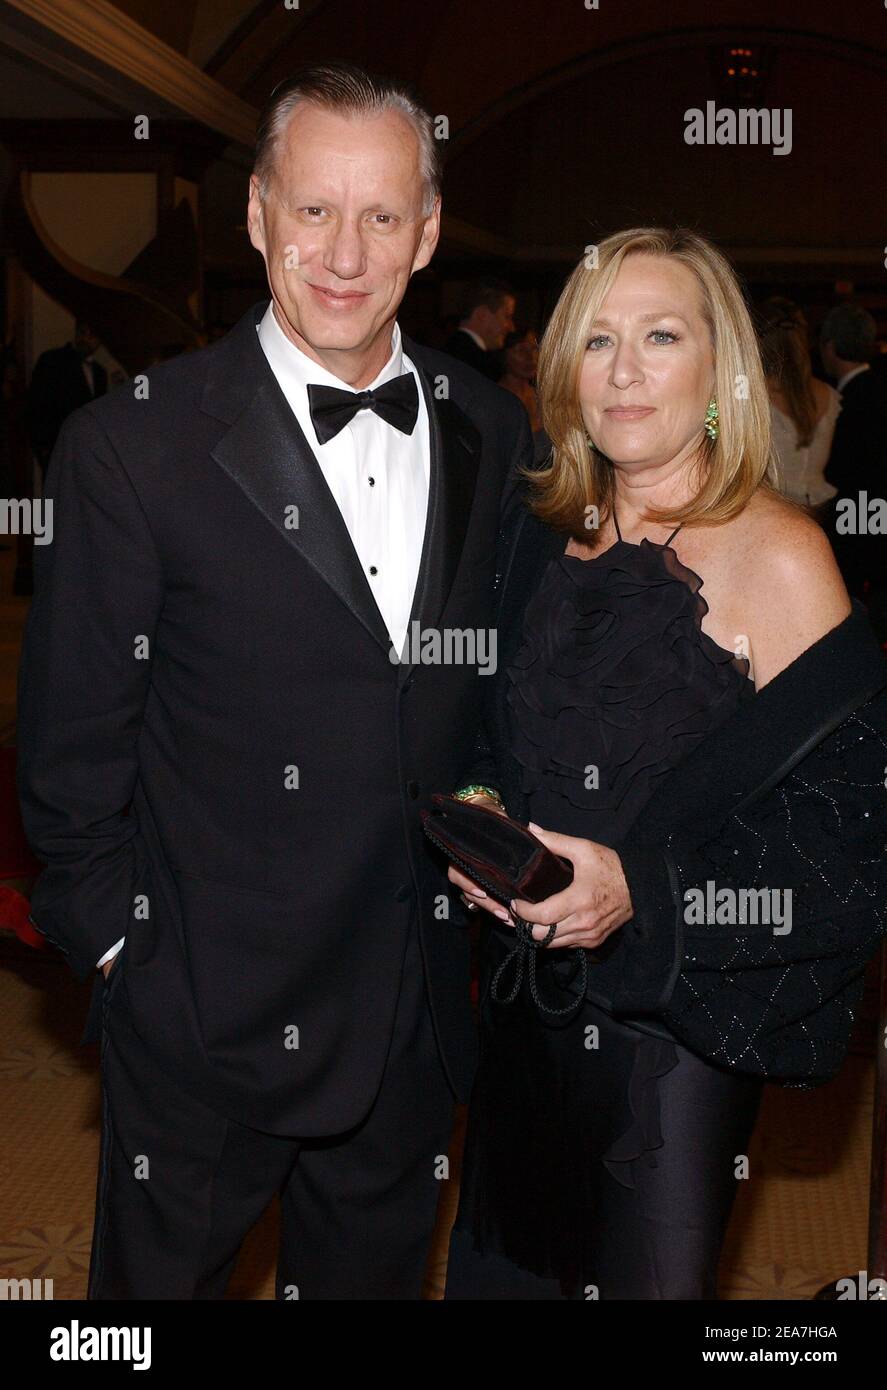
x=472 y=792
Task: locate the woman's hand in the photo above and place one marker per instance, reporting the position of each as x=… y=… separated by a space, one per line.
x=473 y=896
x=596 y=903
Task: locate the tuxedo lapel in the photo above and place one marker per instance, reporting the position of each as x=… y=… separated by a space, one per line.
x=266 y=454
x=455 y=456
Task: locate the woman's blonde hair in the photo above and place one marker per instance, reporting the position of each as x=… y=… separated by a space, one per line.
x=731 y=467
x=785 y=358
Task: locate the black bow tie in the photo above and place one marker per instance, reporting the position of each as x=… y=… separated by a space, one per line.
x=397 y=402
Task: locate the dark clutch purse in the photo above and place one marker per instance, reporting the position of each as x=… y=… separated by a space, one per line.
x=498 y=853
x=505 y=859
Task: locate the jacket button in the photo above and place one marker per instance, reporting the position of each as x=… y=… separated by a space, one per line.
x=413 y=789
x=403 y=893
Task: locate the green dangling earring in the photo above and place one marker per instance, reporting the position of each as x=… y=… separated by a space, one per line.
x=712 y=423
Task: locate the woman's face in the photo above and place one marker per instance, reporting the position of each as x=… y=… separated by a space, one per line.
x=523 y=358
x=648 y=372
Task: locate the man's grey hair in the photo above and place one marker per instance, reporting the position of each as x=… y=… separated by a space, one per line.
x=351 y=90
x=851 y=330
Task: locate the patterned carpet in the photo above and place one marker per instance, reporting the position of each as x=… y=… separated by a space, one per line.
x=800 y=1219
x=799 y=1222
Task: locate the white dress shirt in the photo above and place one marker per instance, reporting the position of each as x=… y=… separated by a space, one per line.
x=476 y=336
x=848 y=376
x=378 y=475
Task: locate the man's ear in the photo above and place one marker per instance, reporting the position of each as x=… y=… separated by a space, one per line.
x=255 y=215
x=430 y=237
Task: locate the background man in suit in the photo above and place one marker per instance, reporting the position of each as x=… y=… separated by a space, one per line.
x=63 y=379
x=223 y=767
x=858 y=459
x=488 y=318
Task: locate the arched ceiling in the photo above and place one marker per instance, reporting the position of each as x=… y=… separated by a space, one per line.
x=468 y=55
x=472 y=58
x=564 y=121
x=195 y=28
x=606 y=149
x=567 y=121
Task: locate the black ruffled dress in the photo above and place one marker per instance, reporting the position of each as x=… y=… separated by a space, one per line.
x=600 y=1158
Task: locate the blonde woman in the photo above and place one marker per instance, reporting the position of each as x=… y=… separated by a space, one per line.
x=690 y=711
x=803 y=409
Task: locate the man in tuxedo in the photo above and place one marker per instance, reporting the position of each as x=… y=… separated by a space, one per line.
x=487 y=320
x=858 y=459
x=63 y=379
x=226 y=739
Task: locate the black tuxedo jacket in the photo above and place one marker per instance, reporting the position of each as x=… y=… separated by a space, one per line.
x=858 y=458
x=462 y=346
x=218 y=757
x=57 y=388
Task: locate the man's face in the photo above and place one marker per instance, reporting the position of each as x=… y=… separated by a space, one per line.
x=85 y=341
x=523 y=358
x=498 y=323
x=342 y=231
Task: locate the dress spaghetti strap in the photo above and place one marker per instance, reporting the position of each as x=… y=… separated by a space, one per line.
x=619 y=533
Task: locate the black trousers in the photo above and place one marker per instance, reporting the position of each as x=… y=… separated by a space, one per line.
x=179 y=1185
x=625 y=1154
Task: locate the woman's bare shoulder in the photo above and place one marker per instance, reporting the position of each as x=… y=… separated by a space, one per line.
x=826 y=396
x=822 y=391
x=791 y=587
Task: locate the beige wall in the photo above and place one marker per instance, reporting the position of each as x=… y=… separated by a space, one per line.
x=101 y=220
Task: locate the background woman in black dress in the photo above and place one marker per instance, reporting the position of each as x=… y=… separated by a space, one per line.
x=660 y=582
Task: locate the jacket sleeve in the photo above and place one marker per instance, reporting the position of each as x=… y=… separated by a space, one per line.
x=483 y=768
x=83 y=682
x=773 y=994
